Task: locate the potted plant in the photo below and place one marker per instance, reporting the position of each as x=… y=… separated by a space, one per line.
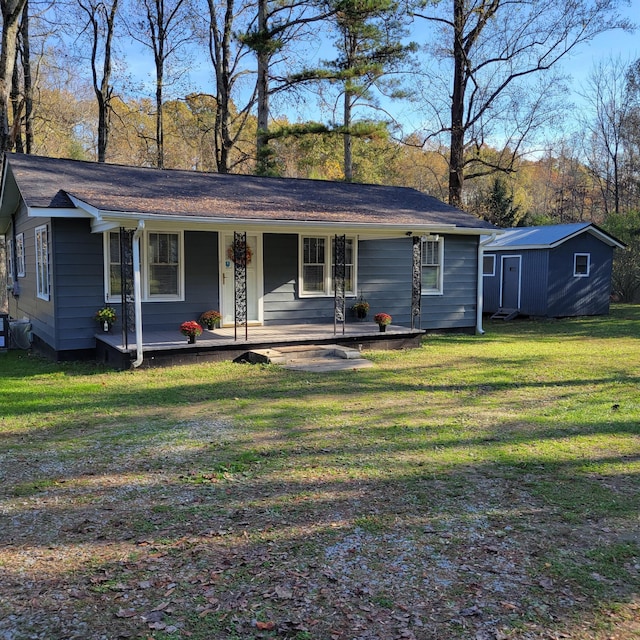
x=360 y=308
x=191 y=329
x=106 y=317
x=210 y=319
x=382 y=320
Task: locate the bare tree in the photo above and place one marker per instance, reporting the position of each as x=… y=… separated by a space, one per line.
x=495 y=46
x=11 y=12
x=100 y=25
x=161 y=26
x=228 y=55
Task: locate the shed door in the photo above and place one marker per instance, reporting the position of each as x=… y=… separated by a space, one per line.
x=510 y=286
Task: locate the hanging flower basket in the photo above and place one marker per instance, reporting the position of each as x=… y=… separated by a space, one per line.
x=106 y=317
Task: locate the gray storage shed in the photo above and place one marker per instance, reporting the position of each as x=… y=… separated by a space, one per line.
x=549 y=271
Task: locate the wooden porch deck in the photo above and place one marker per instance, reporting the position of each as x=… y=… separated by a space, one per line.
x=162 y=348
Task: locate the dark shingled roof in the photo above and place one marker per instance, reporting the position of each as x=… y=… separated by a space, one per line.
x=45 y=182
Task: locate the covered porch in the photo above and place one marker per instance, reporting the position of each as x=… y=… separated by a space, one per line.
x=164 y=348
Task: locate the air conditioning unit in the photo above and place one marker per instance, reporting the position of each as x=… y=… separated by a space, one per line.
x=20 y=333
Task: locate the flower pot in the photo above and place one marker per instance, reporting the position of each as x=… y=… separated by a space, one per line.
x=106 y=327
x=383 y=328
x=192 y=339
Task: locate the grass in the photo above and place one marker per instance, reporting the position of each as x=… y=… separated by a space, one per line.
x=477 y=485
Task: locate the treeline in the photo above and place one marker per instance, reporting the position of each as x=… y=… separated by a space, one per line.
x=483 y=78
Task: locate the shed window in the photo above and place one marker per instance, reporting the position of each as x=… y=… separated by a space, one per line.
x=489 y=265
x=432 y=259
x=316 y=271
x=581 y=264
x=42 y=262
x=20 y=265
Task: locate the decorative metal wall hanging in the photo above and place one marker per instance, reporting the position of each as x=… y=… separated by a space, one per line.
x=241 y=256
x=416 y=283
x=126 y=284
x=339 y=279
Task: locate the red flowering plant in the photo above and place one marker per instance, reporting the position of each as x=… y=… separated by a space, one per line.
x=210 y=319
x=382 y=319
x=190 y=328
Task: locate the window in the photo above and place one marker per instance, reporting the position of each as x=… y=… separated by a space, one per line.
x=161 y=265
x=20 y=266
x=42 y=263
x=163 y=256
x=10 y=272
x=114 y=286
x=432 y=256
x=581 y=265
x=317 y=266
x=489 y=265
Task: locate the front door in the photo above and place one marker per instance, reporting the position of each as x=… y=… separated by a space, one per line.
x=254 y=275
x=510 y=289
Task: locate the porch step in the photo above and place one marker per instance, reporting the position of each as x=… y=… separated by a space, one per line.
x=331 y=357
x=505 y=314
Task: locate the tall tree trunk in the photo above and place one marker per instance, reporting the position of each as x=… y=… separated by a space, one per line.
x=16 y=107
x=263 y=152
x=347 y=140
x=456 y=152
x=159 y=121
x=11 y=10
x=28 y=80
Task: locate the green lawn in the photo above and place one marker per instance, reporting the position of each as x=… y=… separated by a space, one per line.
x=483 y=487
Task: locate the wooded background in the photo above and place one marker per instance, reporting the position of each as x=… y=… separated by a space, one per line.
x=228 y=86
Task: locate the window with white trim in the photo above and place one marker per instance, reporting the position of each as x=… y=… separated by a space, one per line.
x=20 y=263
x=488 y=264
x=10 y=272
x=581 y=265
x=316 y=265
x=431 y=261
x=42 y=263
x=161 y=265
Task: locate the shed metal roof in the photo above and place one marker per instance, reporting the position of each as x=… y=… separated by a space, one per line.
x=549 y=236
x=53 y=183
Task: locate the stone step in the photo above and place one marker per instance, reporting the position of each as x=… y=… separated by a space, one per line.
x=331 y=357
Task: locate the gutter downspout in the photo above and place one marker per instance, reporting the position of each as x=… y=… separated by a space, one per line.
x=137 y=294
x=480 y=283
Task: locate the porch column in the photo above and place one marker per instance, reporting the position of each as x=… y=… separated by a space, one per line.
x=339 y=277
x=416 y=282
x=126 y=284
x=240 y=282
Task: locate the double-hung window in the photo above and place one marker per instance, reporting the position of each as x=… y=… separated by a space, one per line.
x=10 y=270
x=431 y=261
x=161 y=257
x=317 y=265
x=20 y=264
x=581 y=265
x=163 y=260
x=42 y=263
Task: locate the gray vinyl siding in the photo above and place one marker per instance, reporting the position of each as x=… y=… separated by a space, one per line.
x=385 y=281
x=573 y=296
x=41 y=313
x=282 y=303
x=78 y=272
x=78 y=282
x=201 y=281
x=491 y=287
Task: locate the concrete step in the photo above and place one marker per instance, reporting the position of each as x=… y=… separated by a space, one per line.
x=330 y=357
